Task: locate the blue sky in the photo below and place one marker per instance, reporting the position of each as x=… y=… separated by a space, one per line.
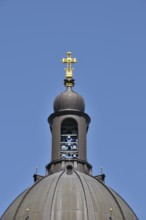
x=108 y=38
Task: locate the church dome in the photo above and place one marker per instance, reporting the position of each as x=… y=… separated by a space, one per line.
x=69 y=191
x=69 y=100
x=65 y=196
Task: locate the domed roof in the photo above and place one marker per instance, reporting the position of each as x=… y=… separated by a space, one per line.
x=69 y=100
x=67 y=196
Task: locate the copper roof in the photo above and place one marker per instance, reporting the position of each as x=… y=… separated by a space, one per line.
x=63 y=196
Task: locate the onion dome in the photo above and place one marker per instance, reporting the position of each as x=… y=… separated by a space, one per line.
x=69 y=195
x=69 y=100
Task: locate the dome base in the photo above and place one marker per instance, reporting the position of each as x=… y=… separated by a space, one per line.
x=62 y=164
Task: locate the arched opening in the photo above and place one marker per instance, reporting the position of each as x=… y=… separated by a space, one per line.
x=69 y=139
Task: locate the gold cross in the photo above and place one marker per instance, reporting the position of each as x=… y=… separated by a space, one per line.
x=69 y=60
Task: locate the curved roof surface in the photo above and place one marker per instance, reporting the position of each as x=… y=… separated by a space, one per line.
x=69 y=100
x=63 y=196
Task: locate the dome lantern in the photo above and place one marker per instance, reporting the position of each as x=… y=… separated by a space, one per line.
x=69 y=125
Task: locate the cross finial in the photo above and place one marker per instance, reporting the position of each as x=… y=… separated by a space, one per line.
x=69 y=60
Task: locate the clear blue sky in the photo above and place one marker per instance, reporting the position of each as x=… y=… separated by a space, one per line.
x=108 y=37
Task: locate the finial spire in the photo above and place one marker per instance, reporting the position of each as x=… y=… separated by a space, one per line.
x=69 y=81
x=69 y=60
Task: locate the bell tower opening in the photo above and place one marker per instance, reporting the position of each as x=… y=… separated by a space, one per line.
x=69 y=139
